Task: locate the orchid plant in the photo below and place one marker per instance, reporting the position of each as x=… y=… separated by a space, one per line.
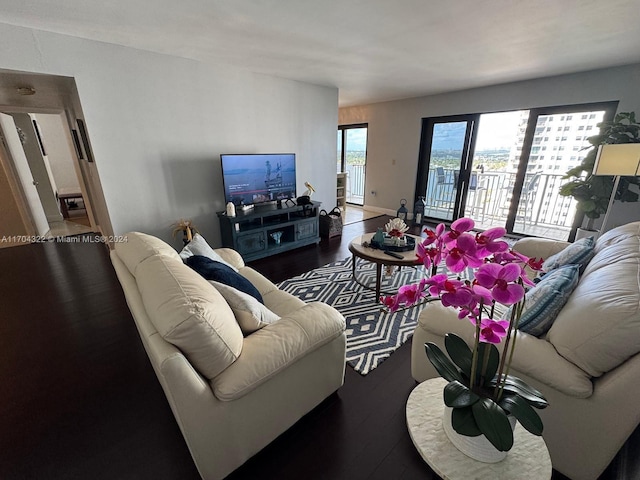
x=481 y=391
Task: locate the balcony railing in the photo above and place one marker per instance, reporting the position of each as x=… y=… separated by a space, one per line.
x=355 y=184
x=541 y=211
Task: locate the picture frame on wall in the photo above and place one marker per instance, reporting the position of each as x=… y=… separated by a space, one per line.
x=76 y=143
x=85 y=140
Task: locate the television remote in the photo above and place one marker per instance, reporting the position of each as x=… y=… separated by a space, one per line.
x=393 y=254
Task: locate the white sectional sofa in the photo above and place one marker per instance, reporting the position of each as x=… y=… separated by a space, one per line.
x=231 y=394
x=587 y=365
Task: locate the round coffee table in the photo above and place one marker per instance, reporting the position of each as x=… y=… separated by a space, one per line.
x=379 y=257
x=527 y=460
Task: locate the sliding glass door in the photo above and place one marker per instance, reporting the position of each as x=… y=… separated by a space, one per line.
x=352 y=159
x=505 y=169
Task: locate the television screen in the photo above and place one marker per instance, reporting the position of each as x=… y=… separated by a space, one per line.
x=258 y=178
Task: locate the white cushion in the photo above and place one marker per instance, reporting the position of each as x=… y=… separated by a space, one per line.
x=250 y=314
x=199 y=246
x=140 y=246
x=599 y=327
x=190 y=313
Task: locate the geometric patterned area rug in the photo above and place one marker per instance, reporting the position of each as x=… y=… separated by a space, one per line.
x=372 y=334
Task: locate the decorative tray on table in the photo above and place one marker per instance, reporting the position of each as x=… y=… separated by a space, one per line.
x=408 y=243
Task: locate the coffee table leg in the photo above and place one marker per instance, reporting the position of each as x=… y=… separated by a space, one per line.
x=378 y=275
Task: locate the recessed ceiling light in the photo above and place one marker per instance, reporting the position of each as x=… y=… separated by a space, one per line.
x=26 y=90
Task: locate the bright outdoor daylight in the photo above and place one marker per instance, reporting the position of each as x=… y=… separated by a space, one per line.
x=558 y=142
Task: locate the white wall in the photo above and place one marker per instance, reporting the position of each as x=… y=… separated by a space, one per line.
x=158 y=125
x=395 y=127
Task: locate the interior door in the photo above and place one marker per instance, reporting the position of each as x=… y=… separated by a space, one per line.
x=13 y=146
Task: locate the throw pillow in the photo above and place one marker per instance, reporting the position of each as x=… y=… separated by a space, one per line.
x=199 y=246
x=212 y=270
x=250 y=314
x=578 y=253
x=544 y=301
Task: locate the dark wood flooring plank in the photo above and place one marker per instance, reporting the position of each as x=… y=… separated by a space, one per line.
x=79 y=398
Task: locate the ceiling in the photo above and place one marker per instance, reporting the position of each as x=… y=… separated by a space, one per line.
x=372 y=50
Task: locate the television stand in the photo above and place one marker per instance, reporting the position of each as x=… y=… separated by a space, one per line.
x=262 y=232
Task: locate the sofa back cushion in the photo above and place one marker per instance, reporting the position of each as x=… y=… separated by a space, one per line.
x=189 y=313
x=140 y=246
x=599 y=327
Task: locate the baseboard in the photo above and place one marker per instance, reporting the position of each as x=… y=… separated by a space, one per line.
x=385 y=211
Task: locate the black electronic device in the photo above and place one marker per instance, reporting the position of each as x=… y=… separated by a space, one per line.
x=394 y=254
x=303 y=200
x=258 y=178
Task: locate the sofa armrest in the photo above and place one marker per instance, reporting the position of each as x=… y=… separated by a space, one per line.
x=533 y=356
x=539 y=247
x=276 y=346
x=230 y=256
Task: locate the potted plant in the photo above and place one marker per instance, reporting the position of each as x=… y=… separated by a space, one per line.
x=592 y=192
x=481 y=393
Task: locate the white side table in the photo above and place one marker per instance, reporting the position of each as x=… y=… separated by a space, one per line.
x=527 y=460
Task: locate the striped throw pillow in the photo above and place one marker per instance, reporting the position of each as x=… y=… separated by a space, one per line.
x=544 y=301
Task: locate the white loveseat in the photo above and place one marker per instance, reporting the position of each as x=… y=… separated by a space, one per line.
x=588 y=363
x=231 y=395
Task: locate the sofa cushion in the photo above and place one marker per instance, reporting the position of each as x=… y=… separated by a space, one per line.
x=140 y=246
x=212 y=270
x=599 y=327
x=199 y=246
x=190 y=313
x=250 y=314
x=578 y=253
x=546 y=299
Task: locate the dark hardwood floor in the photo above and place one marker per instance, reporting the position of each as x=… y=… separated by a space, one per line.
x=79 y=398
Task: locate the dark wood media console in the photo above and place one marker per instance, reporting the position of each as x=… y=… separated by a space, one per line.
x=254 y=233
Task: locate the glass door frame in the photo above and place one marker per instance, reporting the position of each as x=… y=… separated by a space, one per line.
x=609 y=107
x=534 y=113
x=424 y=159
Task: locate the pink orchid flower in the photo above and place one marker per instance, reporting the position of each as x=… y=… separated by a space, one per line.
x=411 y=294
x=458 y=227
x=498 y=279
x=433 y=236
x=391 y=302
x=428 y=256
x=488 y=242
x=493 y=331
x=458 y=297
x=463 y=254
x=441 y=283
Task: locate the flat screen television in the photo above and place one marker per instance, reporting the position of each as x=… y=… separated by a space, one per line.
x=258 y=178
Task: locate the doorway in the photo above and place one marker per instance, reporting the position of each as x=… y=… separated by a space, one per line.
x=352 y=159
x=48 y=111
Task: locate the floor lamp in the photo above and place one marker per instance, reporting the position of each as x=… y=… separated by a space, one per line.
x=617 y=160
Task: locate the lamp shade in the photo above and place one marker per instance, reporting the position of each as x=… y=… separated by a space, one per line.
x=620 y=159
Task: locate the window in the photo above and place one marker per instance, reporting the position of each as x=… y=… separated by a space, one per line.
x=516 y=161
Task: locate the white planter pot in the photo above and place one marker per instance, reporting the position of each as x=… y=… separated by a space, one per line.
x=582 y=233
x=478 y=448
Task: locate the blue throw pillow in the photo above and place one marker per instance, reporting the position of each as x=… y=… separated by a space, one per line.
x=578 y=253
x=544 y=301
x=212 y=270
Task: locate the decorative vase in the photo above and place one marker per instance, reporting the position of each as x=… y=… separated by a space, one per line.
x=478 y=448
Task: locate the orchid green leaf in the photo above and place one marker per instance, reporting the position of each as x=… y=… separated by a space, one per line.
x=518 y=387
x=459 y=352
x=463 y=422
x=493 y=363
x=526 y=415
x=458 y=395
x=493 y=423
x=445 y=367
